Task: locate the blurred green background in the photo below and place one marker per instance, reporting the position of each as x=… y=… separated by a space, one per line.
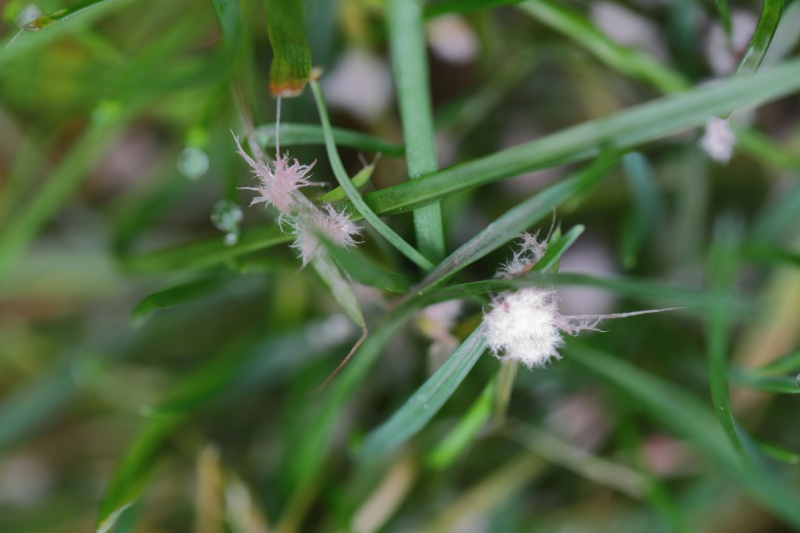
x=145 y=360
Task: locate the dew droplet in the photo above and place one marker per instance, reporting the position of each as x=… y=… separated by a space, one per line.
x=26 y=15
x=193 y=163
x=226 y=216
x=798 y=380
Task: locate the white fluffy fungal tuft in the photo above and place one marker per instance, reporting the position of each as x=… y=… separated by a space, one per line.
x=526 y=326
x=530 y=252
x=719 y=140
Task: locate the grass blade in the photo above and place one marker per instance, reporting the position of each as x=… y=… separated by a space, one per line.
x=353 y=195
x=407 y=45
x=130 y=476
x=427 y=400
x=722 y=273
x=688 y=417
x=516 y=220
x=626 y=129
x=312 y=134
x=619 y=57
x=291 y=62
x=62 y=14
x=767 y=383
x=762 y=37
x=465 y=431
x=177 y=295
x=202 y=254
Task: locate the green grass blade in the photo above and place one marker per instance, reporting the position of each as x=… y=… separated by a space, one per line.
x=340 y=288
x=696 y=300
x=367 y=272
x=762 y=37
x=33 y=403
x=723 y=266
x=353 y=195
x=772 y=254
x=309 y=457
x=177 y=295
x=647 y=211
x=291 y=61
x=407 y=45
x=626 y=129
x=724 y=15
x=619 y=57
x=131 y=474
x=63 y=14
x=786 y=363
x=230 y=21
x=202 y=254
x=359 y=180
x=60 y=186
x=687 y=416
x=465 y=431
x=768 y=383
x=427 y=400
x=312 y=134
x=556 y=248
x=434 y=9
x=518 y=219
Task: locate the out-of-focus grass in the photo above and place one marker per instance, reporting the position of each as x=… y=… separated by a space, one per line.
x=151 y=373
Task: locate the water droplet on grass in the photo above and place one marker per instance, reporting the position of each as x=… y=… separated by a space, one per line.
x=193 y=163
x=226 y=216
x=26 y=15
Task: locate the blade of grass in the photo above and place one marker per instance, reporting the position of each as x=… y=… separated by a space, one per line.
x=309 y=457
x=291 y=61
x=434 y=9
x=724 y=15
x=787 y=363
x=63 y=14
x=176 y=295
x=619 y=57
x=427 y=400
x=465 y=431
x=688 y=417
x=60 y=185
x=767 y=383
x=353 y=195
x=516 y=220
x=722 y=268
x=312 y=134
x=33 y=403
x=628 y=128
x=204 y=253
x=407 y=45
x=647 y=211
x=358 y=181
x=772 y=254
x=631 y=288
x=365 y=271
x=133 y=471
x=762 y=37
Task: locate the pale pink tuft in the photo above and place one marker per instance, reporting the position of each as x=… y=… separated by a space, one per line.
x=279 y=181
x=334 y=226
x=719 y=140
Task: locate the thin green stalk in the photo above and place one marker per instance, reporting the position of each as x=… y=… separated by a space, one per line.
x=762 y=37
x=352 y=193
x=409 y=62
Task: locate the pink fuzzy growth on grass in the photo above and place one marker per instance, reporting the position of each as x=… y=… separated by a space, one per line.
x=331 y=224
x=279 y=180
